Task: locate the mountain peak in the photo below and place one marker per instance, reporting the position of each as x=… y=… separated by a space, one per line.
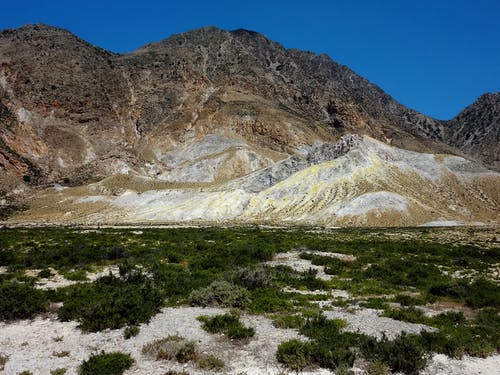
x=35 y=28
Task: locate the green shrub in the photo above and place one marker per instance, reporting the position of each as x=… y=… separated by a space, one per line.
x=321 y=329
x=252 y=277
x=58 y=371
x=78 y=275
x=377 y=368
x=404 y=354
x=106 y=364
x=20 y=301
x=375 y=303
x=220 y=293
x=294 y=354
x=288 y=321
x=45 y=273
x=210 y=362
x=111 y=302
x=408 y=314
x=170 y=348
x=406 y=300
x=483 y=293
x=269 y=300
x=449 y=318
x=477 y=294
x=284 y=275
x=228 y=324
x=328 y=348
x=130 y=331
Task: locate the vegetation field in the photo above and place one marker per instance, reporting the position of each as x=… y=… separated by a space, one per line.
x=445 y=278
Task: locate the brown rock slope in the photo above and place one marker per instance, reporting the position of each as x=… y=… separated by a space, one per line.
x=196 y=110
x=476 y=130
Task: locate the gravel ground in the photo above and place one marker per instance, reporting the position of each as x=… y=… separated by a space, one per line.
x=33 y=344
x=369 y=322
x=292 y=260
x=38 y=345
x=59 y=281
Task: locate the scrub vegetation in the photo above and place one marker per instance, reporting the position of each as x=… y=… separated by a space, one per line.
x=396 y=271
x=228 y=324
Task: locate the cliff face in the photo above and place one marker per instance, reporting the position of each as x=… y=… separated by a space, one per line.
x=198 y=110
x=476 y=131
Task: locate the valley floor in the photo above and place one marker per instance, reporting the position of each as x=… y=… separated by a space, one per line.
x=374 y=283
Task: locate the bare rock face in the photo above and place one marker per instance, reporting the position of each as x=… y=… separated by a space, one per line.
x=202 y=109
x=476 y=131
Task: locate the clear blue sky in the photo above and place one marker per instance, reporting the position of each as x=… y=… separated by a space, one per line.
x=434 y=56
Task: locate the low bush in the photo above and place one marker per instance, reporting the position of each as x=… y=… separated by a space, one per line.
x=295 y=354
x=408 y=314
x=228 y=324
x=406 y=300
x=45 y=273
x=331 y=348
x=269 y=300
x=76 y=275
x=130 y=331
x=171 y=348
x=252 y=277
x=307 y=280
x=20 y=301
x=106 y=364
x=375 y=303
x=220 y=293
x=403 y=354
x=288 y=321
x=477 y=294
x=210 y=362
x=111 y=302
x=58 y=371
x=377 y=367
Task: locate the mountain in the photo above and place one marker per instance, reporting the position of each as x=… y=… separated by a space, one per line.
x=476 y=131
x=222 y=112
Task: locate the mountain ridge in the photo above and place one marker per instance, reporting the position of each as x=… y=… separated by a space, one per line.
x=201 y=108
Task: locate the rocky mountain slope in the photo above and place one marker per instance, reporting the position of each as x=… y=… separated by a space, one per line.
x=476 y=130
x=216 y=111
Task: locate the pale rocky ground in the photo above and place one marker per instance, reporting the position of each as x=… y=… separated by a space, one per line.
x=357 y=181
x=34 y=344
